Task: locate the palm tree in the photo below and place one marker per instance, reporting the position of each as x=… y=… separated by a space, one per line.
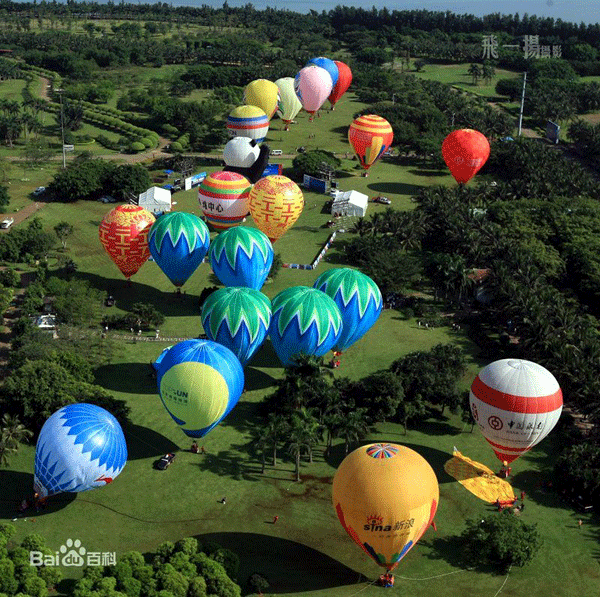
x=488 y=72
x=475 y=72
x=12 y=434
x=354 y=427
x=274 y=430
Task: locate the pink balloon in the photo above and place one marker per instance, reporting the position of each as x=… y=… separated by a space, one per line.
x=313 y=86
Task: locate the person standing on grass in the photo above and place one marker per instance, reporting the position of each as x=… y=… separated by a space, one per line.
x=580 y=523
x=275 y=519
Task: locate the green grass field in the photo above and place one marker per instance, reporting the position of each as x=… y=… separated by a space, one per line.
x=458 y=76
x=307 y=553
x=12 y=89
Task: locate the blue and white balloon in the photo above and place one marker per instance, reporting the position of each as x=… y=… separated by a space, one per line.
x=80 y=447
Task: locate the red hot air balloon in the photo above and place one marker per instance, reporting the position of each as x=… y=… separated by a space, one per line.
x=124 y=234
x=343 y=82
x=370 y=136
x=465 y=152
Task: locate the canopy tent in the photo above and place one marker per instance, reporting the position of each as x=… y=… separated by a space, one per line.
x=156 y=200
x=349 y=203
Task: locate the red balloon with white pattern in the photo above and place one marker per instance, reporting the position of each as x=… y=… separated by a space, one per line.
x=465 y=152
x=124 y=235
x=516 y=404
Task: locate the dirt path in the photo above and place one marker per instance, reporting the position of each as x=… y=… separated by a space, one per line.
x=22 y=214
x=44 y=90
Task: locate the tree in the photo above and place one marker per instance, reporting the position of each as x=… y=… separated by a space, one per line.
x=258 y=583
x=4 y=197
x=475 y=72
x=353 y=427
x=63 y=230
x=313 y=162
x=147 y=315
x=488 y=72
x=501 y=540
x=11 y=435
x=419 y=64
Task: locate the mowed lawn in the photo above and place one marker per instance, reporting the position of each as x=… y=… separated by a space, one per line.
x=306 y=553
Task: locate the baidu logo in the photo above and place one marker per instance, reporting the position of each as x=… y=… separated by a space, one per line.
x=72 y=554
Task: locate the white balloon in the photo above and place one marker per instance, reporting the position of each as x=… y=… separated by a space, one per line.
x=241 y=152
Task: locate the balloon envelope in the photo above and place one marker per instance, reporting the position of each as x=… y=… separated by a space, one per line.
x=312 y=85
x=199 y=383
x=264 y=94
x=343 y=82
x=223 y=198
x=241 y=152
x=241 y=256
x=124 y=235
x=329 y=65
x=385 y=496
x=370 y=136
x=248 y=121
x=358 y=299
x=465 y=151
x=305 y=321
x=178 y=243
x=275 y=203
x=237 y=318
x=516 y=404
x=80 y=447
x=290 y=104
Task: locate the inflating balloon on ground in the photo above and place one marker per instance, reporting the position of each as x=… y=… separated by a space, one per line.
x=290 y=104
x=199 y=382
x=178 y=243
x=80 y=447
x=329 y=65
x=305 y=321
x=516 y=403
x=385 y=496
x=241 y=256
x=358 y=299
x=237 y=318
x=123 y=233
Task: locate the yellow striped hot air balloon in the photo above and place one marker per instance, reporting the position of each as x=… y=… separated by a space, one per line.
x=370 y=137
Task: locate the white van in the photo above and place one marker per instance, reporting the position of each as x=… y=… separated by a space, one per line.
x=276 y=152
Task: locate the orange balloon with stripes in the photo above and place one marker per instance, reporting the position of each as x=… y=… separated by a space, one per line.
x=370 y=137
x=124 y=235
x=275 y=203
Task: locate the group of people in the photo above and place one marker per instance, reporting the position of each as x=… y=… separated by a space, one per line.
x=197 y=450
x=37 y=502
x=387 y=580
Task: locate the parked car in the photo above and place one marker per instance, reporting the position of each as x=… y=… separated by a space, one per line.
x=39 y=191
x=7 y=223
x=164 y=462
x=382 y=200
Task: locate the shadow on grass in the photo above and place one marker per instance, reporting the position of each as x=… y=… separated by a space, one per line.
x=399 y=188
x=257 y=380
x=170 y=304
x=132 y=378
x=16 y=486
x=426 y=172
x=290 y=567
x=266 y=357
x=143 y=442
x=227 y=463
x=244 y=417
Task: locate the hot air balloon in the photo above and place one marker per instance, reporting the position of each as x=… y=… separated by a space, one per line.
x=241 y=256
x=223 y=198
x=178 y=243
x=264 y=94
x=465 y=151
x=385 y=496
x=343 y=82
x=237 y=318
x=312 y=85
x=290 y=104
x=329 y=65
x=370 y=136
x=80 y=447
x=358 y=299
x=124 y=235
x=275 y=203
x=244 y=156
x=305 y=321
x=516 y=404
x=199 y=383
x=248 y=121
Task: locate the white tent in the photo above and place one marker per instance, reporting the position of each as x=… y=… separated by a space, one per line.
x=349 y=203
x=156 y=200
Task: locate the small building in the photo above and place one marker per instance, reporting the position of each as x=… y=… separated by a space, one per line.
x=156 y=200
x=349 y=203
x=46 y=323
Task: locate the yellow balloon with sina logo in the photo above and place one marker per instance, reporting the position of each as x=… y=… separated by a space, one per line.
x=385 y=496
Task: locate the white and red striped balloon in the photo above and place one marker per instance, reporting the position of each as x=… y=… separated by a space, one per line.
x=516 y=404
